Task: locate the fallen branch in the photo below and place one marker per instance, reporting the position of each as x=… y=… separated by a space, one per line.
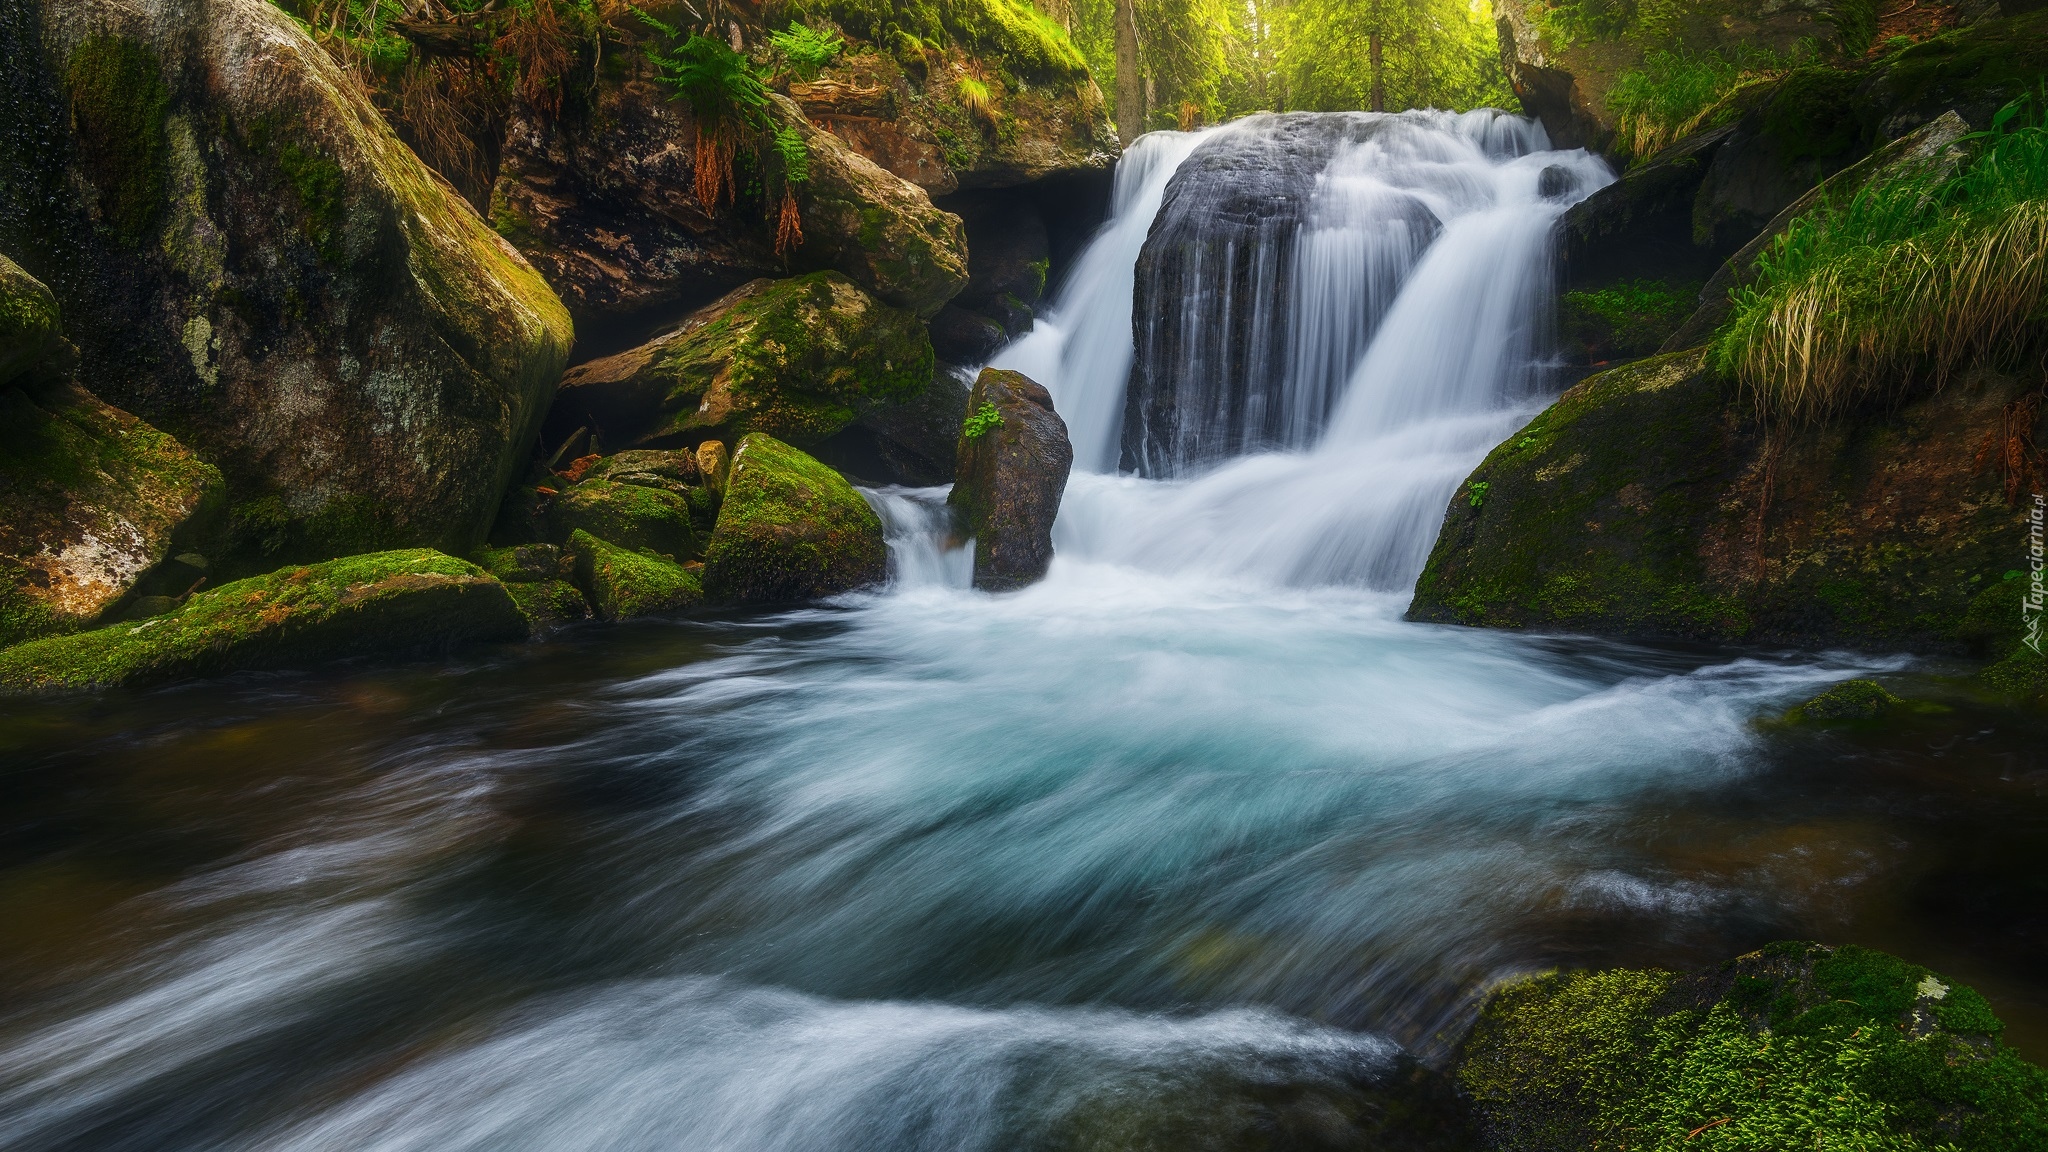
x=1704 y=1127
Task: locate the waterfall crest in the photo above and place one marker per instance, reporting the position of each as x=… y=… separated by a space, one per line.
x=1312 y=435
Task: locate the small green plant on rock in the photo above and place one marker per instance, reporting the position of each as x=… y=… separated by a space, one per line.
x=1477 y=492
x=982 y=421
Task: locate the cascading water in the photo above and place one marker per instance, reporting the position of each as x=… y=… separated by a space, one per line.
x=1163 y=852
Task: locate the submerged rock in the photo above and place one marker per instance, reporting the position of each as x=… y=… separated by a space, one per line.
x=247 y=256
x=791 y=358
x=1797 y=1045
x=790 y=529
x=385 y=603
x=1849 y=700
x=1014 y=461
x=622 y=583
x=1647 y=501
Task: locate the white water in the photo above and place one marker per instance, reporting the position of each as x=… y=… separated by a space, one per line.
x=1104 y=862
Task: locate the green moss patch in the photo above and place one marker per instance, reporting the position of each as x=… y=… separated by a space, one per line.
x=119 y=112
x=1626 y=320
x=790 y=529
x=1850 y=700
x=1026 y=42
x=1795 y=1046
x=791 y=358
x=31 y=331
x=622 y=583
x=387 y=602
x=638 y=518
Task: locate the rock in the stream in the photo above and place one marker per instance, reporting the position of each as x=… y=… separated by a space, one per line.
x=632 y=516
x=539 y=578
x=1014 y=461
x=1635 y=505
x=91 y=498
x=792 y=358
x=1850 y=700
x=248 y=258
x=623 y=583
x=385 y=603
x=1796 y=1045
x=790 y=529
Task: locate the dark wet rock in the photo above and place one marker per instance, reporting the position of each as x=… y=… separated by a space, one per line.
x=911 y=442
x=1796 y=1045
x=792 y=358
x=387 y=603
x=1636 y=505
x=965 y=337
x=790 y=529
x=33 y=350
x=622 y=583
x=1014 y=460
x=539 y=578
x=248 y=258
x=1212 y=299
x=1009 y=256
x=673 y=470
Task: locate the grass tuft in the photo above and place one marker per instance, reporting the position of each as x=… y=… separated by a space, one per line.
x=1913 y=280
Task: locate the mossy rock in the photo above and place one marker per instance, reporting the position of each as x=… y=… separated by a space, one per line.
x=1849 y=701
x=632 y=516
x=792 y=358
x=385 y=603
x=91 y=500
x=1797 y=1045
x=1648 y=502
x=248 y=257
x=621 y=583
x=790 y=529
x=32 y=344
x=539 y=578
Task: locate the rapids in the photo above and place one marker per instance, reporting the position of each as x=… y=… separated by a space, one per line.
x=1188 y=845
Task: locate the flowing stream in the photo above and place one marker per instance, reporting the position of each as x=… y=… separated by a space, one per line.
x=1189 y=846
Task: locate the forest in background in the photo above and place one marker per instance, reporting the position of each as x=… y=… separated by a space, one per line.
x=1204 y=61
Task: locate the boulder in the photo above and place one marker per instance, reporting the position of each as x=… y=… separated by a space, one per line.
x=1647 y=501
x=386 y=603
x=91 y=501
x=539 y=578
x=1212 y=306
x=631 y=516
x=250 y=259
x=790 y=529
x=791 y=358
x=966 y=337
x=1796 y=1045
x=622 y=583
x=911 y=442
x=1009 y=257
x=1014 y=459
x=1847 y=702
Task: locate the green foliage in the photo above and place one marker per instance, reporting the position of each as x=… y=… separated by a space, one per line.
x=1674 y=93
x=1434 y=54
x=794 y=154
x=808 y=50
x=722 y=86
x=981 y=421
x=119 y=105
x=1915 y=278
x=1028 y=44
x=1476 y=492
x=1796 y=1046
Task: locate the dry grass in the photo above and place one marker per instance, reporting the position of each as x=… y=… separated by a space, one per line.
x=1912 y=282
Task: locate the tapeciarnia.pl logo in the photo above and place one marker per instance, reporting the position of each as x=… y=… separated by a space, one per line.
x=2037 y=562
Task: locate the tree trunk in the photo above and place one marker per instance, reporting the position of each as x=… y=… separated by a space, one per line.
x=1379 y=84
x=1130 y=91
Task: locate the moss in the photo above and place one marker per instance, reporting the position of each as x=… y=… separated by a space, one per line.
x=1975 y=70
x=628 y=515
x=549 y=603
x=119 y=112
x=386 y=602
x=1814 y=113
x=31 y=330
x=792 y=358
x=621 y=583
x=266 y=530
x=318 y=181
x=1794 y=1046
x=1626 y=320
x=1850 y=700
x=1012 y=31
x=790 y=529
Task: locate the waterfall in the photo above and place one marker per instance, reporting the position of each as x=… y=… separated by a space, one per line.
x=1407 y=345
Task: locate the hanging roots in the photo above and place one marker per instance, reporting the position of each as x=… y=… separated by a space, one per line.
x=712 y=165
x=789 y=224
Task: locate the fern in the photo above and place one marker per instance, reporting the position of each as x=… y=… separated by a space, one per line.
x=807 y=49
